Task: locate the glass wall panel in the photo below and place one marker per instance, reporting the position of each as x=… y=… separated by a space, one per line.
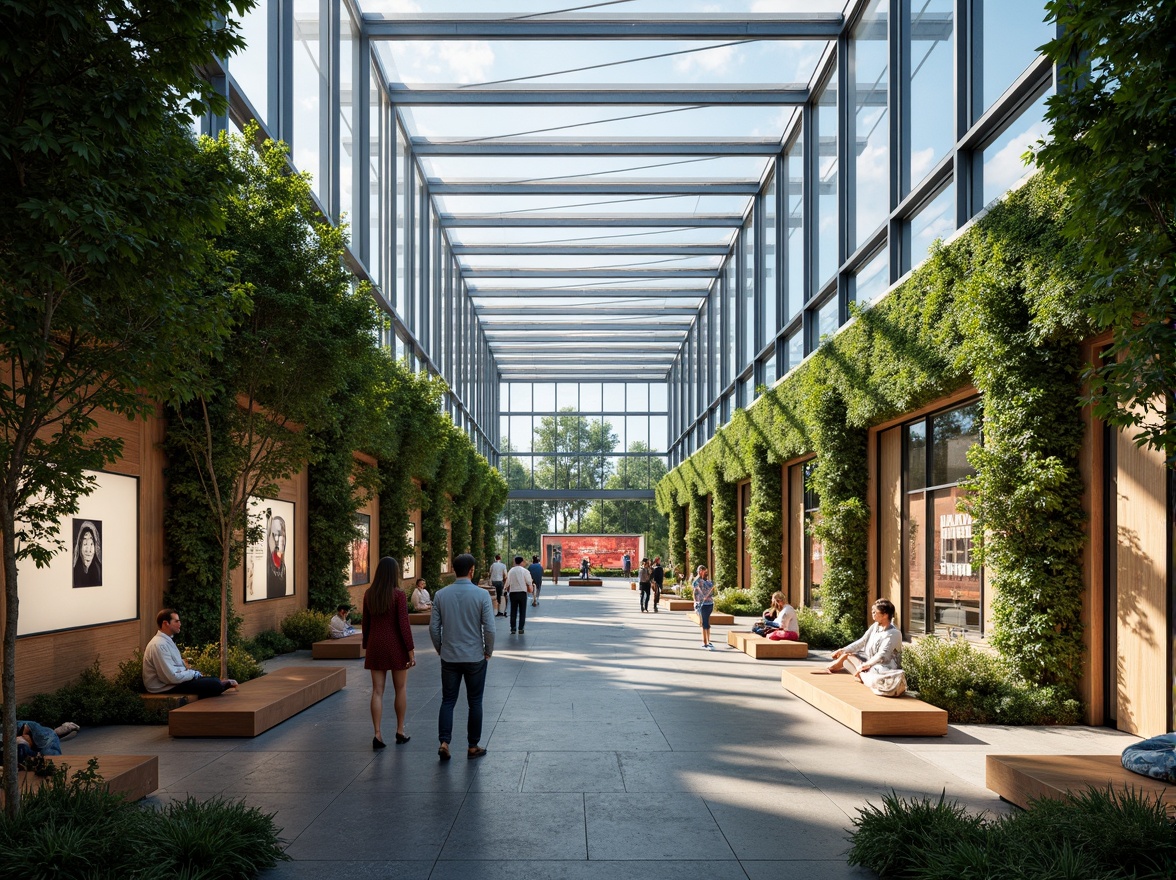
x=872 y=280
x=544 y=393
x=1007 y=34
x=250 y=67
x=955 y=582
x=930 y=116
x=637 y=396
x=870 y=139
x=590 y=399
x=748 y=292
x=732 y=324
x=915 y=557
x=636 y=431
x=769 y=370
x=614 y=397
x=520 y=433
x=309 y=87
x=770 y=294
x=397 y=296
x=375 y=178
x=347 y=146
x=935 y=221
x=794 y=346
x=567 y=396
x=826 y=322
x=657 y=433
x=1001 y=164
x=794 y=230
x=953 y=434
x=827 y=216
x=518 y=397
x=657 y=397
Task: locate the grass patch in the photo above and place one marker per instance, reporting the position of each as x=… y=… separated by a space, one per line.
x=1094 y=835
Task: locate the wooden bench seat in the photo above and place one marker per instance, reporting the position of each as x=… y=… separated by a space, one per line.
x=760 y=648
x=585 y=582
x=346 y=648
x=681 y=604
x=134 y=776
x=717 y=618
x=422 y=618
x=1020 y=779
x=256 y=706
x=845 y=699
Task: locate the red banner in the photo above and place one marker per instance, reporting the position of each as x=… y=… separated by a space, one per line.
x=601 y=551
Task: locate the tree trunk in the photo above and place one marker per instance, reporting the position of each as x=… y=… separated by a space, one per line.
x=11 y=603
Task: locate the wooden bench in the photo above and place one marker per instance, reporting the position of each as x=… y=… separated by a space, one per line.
x=346 y=648
x=256 y=706
x=845 y=699
x=585 y=582
x=134 y=776
x=681 y=604
x=716 y=619
x=422 y=618
x=1020 y=779
x=760 y=648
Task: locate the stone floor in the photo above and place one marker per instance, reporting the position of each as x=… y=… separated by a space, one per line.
x=618 y=750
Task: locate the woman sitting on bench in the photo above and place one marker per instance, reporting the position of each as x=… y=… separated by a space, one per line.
x=780 y=622
x=875 y=652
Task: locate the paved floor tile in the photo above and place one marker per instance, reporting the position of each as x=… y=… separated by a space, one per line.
x=653 y=827
x=500 y=826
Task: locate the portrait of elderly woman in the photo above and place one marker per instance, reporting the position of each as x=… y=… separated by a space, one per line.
x=87 y=553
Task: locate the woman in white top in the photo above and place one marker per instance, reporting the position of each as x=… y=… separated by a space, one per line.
x=875 y=652
x=781 y=619
x=421 y=600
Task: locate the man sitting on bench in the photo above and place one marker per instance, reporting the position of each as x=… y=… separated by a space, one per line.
x=165 y=671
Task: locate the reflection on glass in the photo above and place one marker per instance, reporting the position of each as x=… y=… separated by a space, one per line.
x=953 y=433
x=827 y=320
x=397 y=293
x=347 y=147
x=871 y=135
x=250 y=66
x=768 y=285
x=769 y=370
x=794 y=229
x=916 y=455
x=935 y=221
x=873 y=279
x=795 y=347
x=927 y=39
x=914 y=541
x=375 y=180
x=1002 y=162
x=1007 y=34
x=308 y=89
x=815 y=556
x=826 y=227
x=732 y=328
x=955 y=582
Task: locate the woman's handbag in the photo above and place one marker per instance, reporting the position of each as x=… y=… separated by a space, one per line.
x=891 y=683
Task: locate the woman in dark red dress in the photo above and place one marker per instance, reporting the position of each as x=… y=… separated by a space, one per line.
x=387 y=638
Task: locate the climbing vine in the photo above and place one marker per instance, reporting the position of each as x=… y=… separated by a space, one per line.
x=765 y=525
x=724 y=528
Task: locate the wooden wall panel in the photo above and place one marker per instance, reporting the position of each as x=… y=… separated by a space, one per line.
x=889 y=516
x=268 y=613
x=1143 y=666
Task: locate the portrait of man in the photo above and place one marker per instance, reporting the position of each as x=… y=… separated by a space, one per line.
x=87 y=555
x=275 y=558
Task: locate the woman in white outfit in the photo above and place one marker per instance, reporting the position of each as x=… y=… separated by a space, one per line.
x=875 y=652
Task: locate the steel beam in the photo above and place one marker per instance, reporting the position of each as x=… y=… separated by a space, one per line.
x=552 y=272
x=707 y=221
x=601 y=293
x=670 y=146
x=524 y=250
x=598 y=186
x=576 y=494
x=496 y=330
x=643 y=26
x=533 y=95
x=489 y=315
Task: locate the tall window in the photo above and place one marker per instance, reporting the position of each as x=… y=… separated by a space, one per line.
x=748 y=291
x=769 y=249
x=943 y=591
x=827 y=216
x=929 y=120
x=814 y=550
x=794 y=229
x=870 y=141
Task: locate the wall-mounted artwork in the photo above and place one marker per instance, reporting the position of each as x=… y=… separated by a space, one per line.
x=361 y=550
x=408 y=571
x=95 y=578
x=269 y=562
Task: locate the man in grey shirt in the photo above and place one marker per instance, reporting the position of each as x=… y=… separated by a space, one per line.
x=462 y=630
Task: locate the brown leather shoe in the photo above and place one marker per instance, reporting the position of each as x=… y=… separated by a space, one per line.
x=475 y=752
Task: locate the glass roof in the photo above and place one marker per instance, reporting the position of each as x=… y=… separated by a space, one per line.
x=601 y=138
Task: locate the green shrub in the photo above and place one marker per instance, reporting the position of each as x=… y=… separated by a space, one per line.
x=267 y=644
x=976 y=687
x=736 y=601
x=242 y=665
x=75 y=828
x=822 y=632
x=1095 y=835
x=306 y=627
x=94 y=700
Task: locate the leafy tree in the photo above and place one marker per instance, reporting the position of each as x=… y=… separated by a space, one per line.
x=1113 y=147
x=527 y=519
x=301 y=331
x=577 y=457
x=638 y=515
x=105 y=213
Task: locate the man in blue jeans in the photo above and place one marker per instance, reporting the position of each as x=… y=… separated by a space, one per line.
x=536 y=569
x=462 y=630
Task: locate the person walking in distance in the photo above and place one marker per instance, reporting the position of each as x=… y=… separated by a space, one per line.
x=462 y=631
x=536 y=570
x=518 y=586
x=644 y=579
x=556 y=565
x=627 y=564
x=497 y=579
x=659 y=578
